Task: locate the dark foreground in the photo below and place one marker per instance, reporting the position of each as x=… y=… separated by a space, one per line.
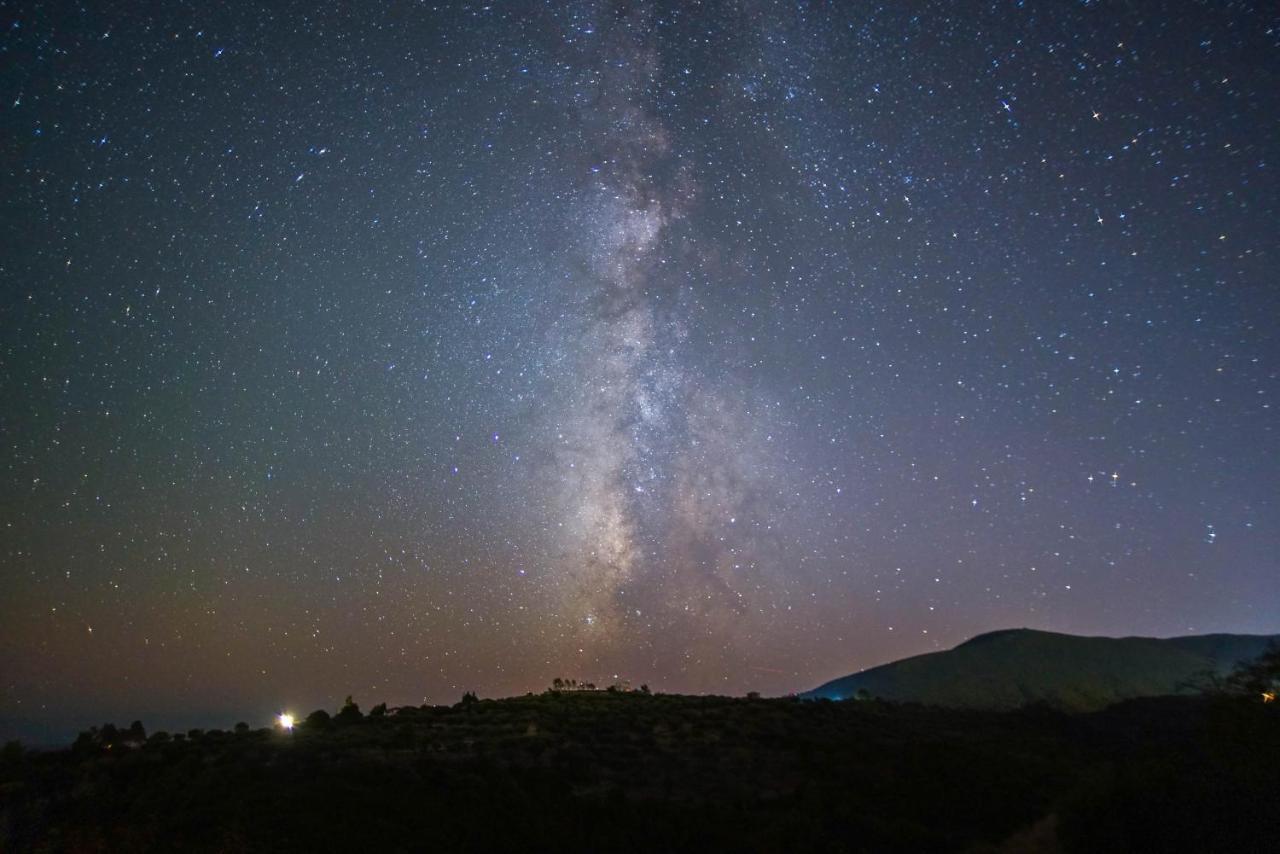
x=603 y=771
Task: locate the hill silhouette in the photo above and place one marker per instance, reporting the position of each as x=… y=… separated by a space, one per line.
x=605 y=771
x=1011 y=668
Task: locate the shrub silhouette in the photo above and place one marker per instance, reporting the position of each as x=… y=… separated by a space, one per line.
x=1257 y=677
x=349 y=713
x=317 y=720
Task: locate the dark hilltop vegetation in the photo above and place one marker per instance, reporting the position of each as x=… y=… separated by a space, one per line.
x=603 y=770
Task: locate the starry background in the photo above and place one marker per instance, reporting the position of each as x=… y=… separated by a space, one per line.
x=400 y=350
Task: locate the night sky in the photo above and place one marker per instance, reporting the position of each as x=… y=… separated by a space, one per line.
x=398 y=350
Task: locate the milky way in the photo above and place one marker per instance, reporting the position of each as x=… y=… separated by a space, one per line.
x=647 y=477
x=409 y=350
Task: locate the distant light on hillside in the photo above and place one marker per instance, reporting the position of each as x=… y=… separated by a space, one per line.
x=286 y=721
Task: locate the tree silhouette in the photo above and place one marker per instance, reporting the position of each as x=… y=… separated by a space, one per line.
x=319 y=719
x=349 y=713
x=12 y=752
x=1258 y=677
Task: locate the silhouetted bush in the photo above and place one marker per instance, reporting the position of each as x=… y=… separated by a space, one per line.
x=317 y=720
x=349 y=713
x=1258 y=678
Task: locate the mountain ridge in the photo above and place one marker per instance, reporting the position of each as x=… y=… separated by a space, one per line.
x=1009 y=668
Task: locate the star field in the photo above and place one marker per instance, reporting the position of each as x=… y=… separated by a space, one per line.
x=407 y=349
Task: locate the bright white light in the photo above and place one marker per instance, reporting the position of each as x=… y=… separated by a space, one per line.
x=285 y=721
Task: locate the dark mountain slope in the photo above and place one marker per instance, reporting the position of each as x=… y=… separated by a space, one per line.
x=1010 y=668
